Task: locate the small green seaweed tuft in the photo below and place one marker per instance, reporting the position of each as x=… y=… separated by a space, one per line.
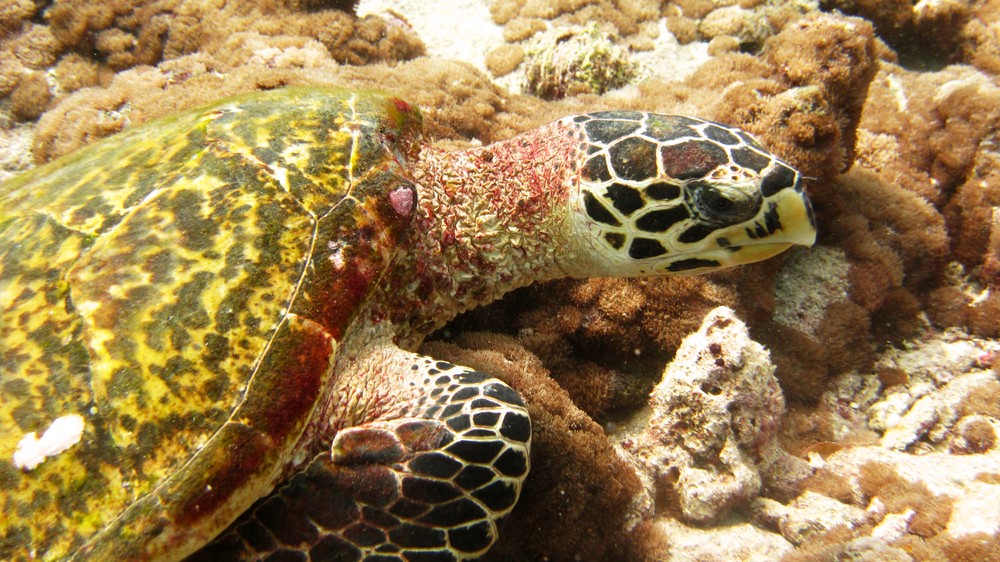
x=572 y=61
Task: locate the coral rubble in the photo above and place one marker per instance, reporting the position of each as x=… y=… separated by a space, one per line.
x=714 y=421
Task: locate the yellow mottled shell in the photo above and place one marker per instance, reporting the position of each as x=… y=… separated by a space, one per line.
x=182 y=288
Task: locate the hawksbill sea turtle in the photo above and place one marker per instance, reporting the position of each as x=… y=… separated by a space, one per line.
x=207 y=322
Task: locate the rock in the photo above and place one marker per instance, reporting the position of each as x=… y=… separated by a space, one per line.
x=714 y=421
x=933 y=414
x=811 y=514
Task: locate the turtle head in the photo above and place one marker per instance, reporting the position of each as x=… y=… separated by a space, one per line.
x=666 y=194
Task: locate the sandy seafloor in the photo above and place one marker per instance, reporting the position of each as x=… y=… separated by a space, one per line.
x=858 y=418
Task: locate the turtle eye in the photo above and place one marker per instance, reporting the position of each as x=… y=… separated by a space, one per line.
x=717 y=203
x=716 y=206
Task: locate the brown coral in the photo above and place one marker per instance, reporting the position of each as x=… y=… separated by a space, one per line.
x=933 y=134
x=980 y=40
x=922 y=33
x=972 y=212
x=625 y=15
x=123 y=35
x=902 y=237
x=922 y=130
x=836 y=55
x=461 y=99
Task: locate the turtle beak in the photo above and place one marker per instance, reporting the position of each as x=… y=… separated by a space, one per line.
x=786 y=219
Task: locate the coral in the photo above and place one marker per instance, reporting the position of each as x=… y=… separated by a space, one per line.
x=836 y=55
x=31 y=97
x=130 y=34
x=723 y=44
x=980 y=40
x=935 y=414
x=971 y=546
x=35 y=47
x=973 y=218
x=714 y=423
x=748 y=23
x=909 y=247
x=625 y=15
x=623 y=325
x=895 y=242
x=568 y=62
x=579 y=491
x=922 y=131
x=806 y=109
x=460 y=97
x=115 y=36
x=921 y=32
x=930 y=513
x=748 y=27
x=598 y=336
x=816 y=331
x=924 y=398
x=14 y=12
x=974 y=435
x=504 y=59
x=519 y=29
x=922 y=508
x=985 y=402
x=74 y=71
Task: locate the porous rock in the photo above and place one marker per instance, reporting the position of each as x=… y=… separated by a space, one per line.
x=714 y=420
x=956 y=495
x=808 y=515
x=936 y=413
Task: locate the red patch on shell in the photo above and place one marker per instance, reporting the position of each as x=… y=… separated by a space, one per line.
x=401 y=105
x=289 y=379
x=211 y=478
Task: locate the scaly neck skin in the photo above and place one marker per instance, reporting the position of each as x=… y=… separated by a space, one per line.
x=488 y=220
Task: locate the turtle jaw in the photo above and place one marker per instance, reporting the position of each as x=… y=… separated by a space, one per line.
x=784 y=219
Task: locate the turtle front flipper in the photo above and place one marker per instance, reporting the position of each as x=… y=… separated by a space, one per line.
x=432 y=484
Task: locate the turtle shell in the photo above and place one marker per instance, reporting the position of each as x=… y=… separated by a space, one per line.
x=182 y=288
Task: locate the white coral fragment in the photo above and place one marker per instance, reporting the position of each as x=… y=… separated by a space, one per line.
x=714 y=420
x=65 y=432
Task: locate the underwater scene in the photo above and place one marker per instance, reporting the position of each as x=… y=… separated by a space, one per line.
x=500 y=280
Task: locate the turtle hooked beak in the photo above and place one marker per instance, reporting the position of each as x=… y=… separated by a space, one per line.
x=786 y=219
